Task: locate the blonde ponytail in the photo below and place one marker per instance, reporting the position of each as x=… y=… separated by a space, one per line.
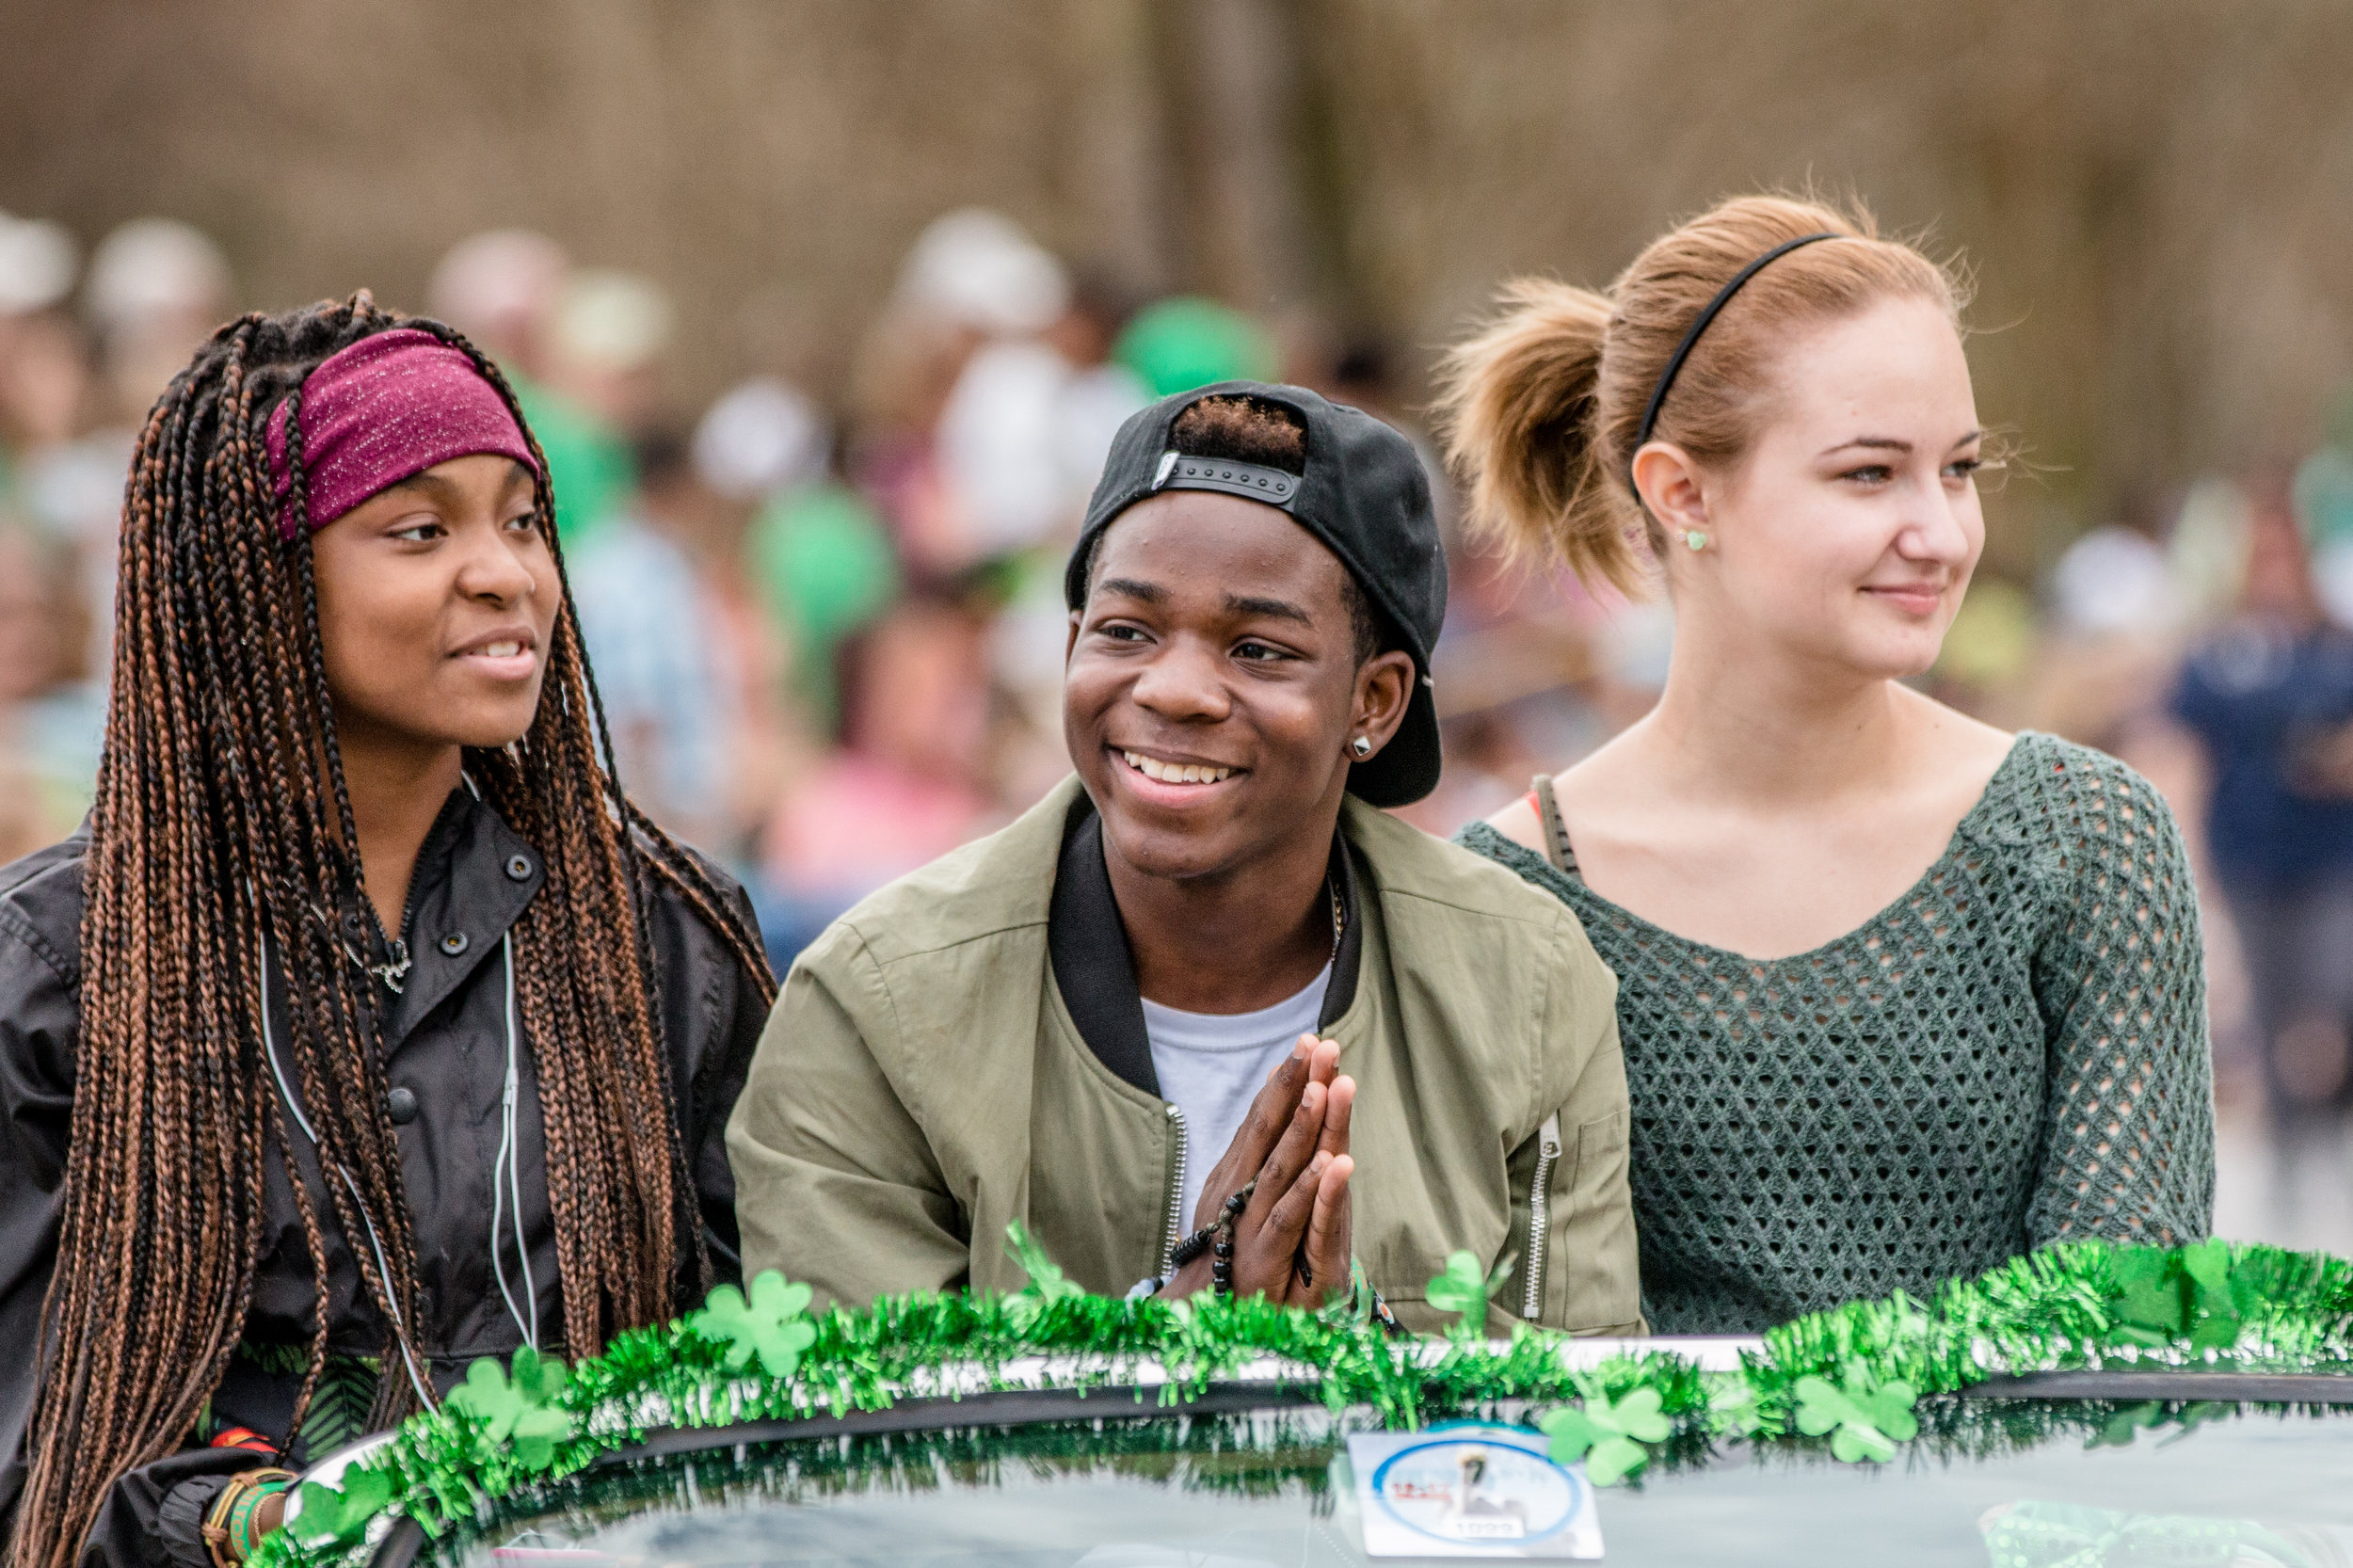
x=1541 y=407
x=1516 y=405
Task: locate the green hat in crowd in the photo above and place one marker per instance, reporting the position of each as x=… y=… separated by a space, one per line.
x=1178 y=345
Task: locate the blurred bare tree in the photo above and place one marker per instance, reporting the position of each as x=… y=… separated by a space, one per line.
x=2154 y=193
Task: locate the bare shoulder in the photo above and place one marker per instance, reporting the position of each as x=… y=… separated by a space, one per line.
x=1960 y=752
x=1952 y=728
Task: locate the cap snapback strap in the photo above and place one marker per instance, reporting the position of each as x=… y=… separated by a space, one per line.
x=1180 y=472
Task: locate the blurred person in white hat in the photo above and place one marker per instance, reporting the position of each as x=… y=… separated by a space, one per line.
x=951 y=387
x=2118 y=614
x=1020 y=439
x=1030 y=422
x=982 y=269
x=2118 y=581
x=608 y=341
x=156 y=288
x=762 y=436
x=580 y=348
x=795 y=564
x=498 y=288
x=813 y=552
x=65 y=477
x=45 y=379
x=607 y=337
x=1024 y=438
x=37 y=263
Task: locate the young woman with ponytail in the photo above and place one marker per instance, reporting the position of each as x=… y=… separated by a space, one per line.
x=1901 y=995
x=364 y=1029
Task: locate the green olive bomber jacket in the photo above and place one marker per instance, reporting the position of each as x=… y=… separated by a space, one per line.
x=964 y=1049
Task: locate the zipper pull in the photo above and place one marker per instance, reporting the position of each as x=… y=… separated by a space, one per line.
x=395 y=970
x=1549 y=1136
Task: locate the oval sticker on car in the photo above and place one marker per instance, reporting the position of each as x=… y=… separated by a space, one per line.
x=1470 y=1490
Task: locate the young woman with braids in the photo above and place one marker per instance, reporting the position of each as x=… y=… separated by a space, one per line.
x=364 y=1029
x=1901 y=995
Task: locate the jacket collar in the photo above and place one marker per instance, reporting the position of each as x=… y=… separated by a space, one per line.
x=1087 y=943
x=475 y=876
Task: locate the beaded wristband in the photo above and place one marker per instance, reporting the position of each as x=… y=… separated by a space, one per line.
x=1217 y=1239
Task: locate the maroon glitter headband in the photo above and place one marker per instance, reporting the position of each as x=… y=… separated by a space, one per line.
x=385 y=409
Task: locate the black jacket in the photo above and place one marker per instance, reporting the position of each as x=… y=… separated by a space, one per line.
x=445 y=1044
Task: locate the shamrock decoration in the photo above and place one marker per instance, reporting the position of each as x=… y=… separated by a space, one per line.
x=1865 y=1420
x=1608 y=1437
x=2159 y=1296
x=2127 y=1424
x=2147 y=1301
x=1463 y=1288
x=774 y=1325
x=332 y=1518
x=2132 y=1420
x=1731 y=1407
x=1046 y=1281
x=2213 y=1296
x=1355 y=1306
x=522 y=1413
x=2192 y=1417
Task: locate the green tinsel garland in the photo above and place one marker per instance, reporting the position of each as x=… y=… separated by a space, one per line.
x=1850 y=1375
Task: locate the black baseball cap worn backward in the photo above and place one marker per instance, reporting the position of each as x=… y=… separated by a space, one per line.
x=1364 y=497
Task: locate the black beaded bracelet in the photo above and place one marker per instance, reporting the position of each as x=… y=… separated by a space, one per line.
x=1217 y=1239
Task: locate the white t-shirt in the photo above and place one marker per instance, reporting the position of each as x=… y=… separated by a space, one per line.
x=1211 y=1065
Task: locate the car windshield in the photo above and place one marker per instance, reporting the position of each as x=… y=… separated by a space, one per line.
x=2022 y=1483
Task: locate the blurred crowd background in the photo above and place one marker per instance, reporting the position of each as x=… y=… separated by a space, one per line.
x=824 y=314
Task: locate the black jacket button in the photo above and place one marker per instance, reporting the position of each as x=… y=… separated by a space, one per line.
x=519 y=868
x=401 y=1105
x=455 y=943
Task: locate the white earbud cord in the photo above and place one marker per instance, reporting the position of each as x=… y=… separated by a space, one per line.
x=506 y=1165
x=383 y=1269
x=507 y=1175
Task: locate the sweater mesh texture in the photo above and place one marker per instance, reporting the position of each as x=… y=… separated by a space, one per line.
x=2013 y=1053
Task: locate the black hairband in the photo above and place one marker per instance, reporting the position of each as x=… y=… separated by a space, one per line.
x=1699 y=325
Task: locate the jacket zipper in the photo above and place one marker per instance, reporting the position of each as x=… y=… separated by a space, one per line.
x=1175 y=1195
x=1538 y=1212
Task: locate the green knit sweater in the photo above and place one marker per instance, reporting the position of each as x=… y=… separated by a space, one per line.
x=2012 y=1054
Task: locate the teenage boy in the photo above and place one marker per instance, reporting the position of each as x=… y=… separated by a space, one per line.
x=1137 y=1001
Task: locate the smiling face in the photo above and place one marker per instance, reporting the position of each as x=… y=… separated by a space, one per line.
x=1212 y=688
x=1847 y=534
x=437 y=603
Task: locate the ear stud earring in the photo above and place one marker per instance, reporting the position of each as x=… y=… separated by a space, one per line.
x=1696 y=540
x=1361 y=746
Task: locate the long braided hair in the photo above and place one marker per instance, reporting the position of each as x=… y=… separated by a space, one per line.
x=222 y=823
